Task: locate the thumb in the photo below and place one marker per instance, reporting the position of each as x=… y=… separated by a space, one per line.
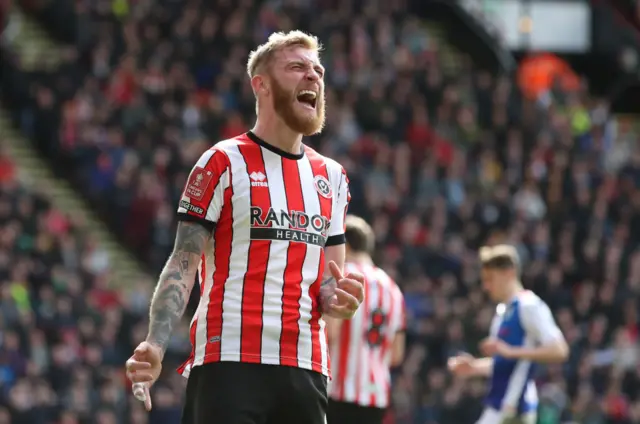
x=335 y=270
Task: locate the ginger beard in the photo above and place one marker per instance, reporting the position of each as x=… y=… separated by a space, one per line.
x=306 y=122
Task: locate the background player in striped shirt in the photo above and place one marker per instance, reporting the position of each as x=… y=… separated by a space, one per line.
x=523 y=333
x=363 y=348
x=260 y=216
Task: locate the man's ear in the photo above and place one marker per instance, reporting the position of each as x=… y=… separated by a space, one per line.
x=259 y=84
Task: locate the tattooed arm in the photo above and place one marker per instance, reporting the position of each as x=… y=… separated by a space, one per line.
x=327 y=293
x=176 y=282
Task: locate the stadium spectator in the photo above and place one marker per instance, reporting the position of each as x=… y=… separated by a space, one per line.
x=439 y=164
x=61 y=335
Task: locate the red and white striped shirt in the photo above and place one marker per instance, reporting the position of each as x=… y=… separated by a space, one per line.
x=260 y=275
x=362 y=356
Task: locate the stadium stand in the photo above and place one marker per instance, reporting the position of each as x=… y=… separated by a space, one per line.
x=440 y=162
x=64 y=334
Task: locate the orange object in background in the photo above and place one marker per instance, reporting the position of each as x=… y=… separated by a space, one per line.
x=537 y=73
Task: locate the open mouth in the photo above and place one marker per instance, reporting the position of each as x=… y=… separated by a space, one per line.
x=307 y=98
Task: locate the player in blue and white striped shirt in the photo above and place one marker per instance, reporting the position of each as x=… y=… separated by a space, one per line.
x=523 y=333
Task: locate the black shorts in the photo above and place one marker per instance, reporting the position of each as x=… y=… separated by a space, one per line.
x=240 y=393
x=350 y=413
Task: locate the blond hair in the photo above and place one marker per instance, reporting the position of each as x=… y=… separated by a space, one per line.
x=263 y=54
x=500 y=256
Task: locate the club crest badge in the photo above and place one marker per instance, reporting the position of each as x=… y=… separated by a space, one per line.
x=323 y=186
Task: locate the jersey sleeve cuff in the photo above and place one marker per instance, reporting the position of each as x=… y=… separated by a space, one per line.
x=190 y=218
x=336 y=240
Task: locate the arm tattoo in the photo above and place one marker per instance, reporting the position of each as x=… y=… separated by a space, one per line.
x=175 y=283
x=327 y=290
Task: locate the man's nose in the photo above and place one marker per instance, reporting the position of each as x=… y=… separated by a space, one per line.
x=313 y=76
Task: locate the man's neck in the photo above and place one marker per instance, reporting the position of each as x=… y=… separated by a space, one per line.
x=513 y=291
x=278 y=134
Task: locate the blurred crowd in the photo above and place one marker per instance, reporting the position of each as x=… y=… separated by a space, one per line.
x=63 y=333
x=440 y=163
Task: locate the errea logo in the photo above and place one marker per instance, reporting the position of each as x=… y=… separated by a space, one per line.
x=258 y=179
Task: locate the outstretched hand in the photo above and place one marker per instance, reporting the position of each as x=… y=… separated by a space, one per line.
x=341 y=295
x=461 y=365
